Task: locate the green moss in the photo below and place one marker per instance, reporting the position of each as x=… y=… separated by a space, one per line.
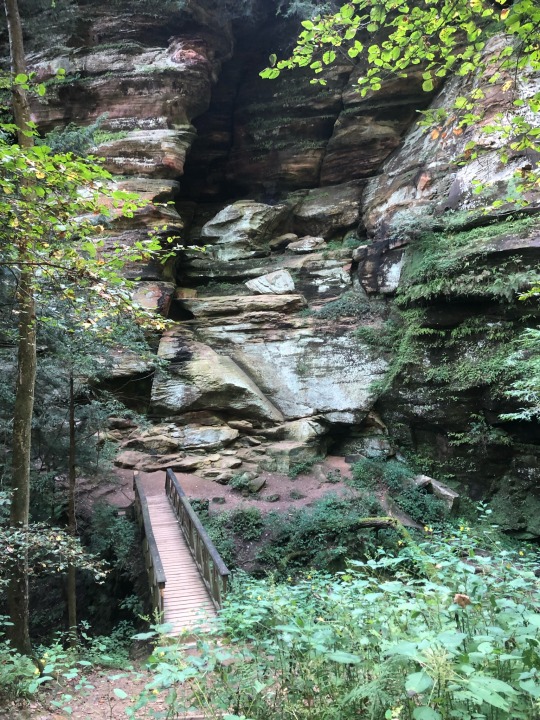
x=105 y=136
x=457 y=264
x=350 y=304
x=475 y=353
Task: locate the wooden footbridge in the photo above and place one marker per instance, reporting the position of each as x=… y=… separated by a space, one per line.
x=188 y=579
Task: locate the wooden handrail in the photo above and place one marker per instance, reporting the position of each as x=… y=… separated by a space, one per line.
x=211 y=567
x=152 y=559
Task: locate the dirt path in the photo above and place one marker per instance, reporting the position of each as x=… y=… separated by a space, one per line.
x=97 y=701
x=322 y=479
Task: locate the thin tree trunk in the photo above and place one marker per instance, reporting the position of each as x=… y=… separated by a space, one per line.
x=18 y=604
x=22 y=428
x=21 y=108
x=72 y=521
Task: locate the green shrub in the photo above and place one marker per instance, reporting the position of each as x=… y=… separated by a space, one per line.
x=247 y=522
x=240 y=482
x=320 y=535
x=350 y=304
x=73 y=138
x=200 y=505
x=113 y=537
x=295 y=495
x=366 y=473
x=105 y=136
x=302 y=468
x=396 y=477
x=219 y=532
x=334 y=476
x=430 y=633
x=17 y=672
x=420 y=506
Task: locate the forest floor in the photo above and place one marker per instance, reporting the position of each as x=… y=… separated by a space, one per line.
x=305 y=488
x=97 y=701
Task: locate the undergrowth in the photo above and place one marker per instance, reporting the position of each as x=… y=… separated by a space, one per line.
x=440 y=630
x=321 y=535
x=397 y=478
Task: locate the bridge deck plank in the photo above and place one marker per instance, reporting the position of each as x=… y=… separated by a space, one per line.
x=186 y=601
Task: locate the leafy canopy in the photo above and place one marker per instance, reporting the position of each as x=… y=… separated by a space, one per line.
x=436 y=38
x=446 y=37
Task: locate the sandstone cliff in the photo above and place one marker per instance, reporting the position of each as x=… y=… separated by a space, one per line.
x=352 y=294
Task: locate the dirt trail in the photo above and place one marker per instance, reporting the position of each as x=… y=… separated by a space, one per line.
x=99 y=702
x=292 y=492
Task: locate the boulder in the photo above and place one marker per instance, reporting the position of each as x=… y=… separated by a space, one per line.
x=185 y=293
x=243 y=230
x=154 y=296
x=256 y=484
x=222 y=477
x=230 y=463
x=244 y=425
x=278 y=282
x=305 y=430
x=153 y=443
x=307 y=372
x=447 y=495
x=443 y=492
x=328 y=211
x=127 y=363
x=307 y=244
x=234 y=305
x=281 y=241
x=177 y=463
x=130 y=459
x=201 y=436
x=201 y=379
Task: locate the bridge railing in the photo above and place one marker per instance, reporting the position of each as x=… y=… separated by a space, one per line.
x=152 y=560
x=213 y=570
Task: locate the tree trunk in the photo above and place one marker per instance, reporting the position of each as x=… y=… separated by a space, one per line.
x=26 y=365
x=21 y=108
x=22 y=429
x=72 y=520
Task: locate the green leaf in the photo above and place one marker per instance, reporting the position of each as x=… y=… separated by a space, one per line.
x=492 y=683
x=344 y=658
x=269 y=73
x=427 y=85
x=346 y=11
x=144 y=636
x=329 y=57
x=418 y=682
x=121 y=694
x=426 y=713
x=530 y=686
x=407 y=649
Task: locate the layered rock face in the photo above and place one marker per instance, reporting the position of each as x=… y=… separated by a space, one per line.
x=455 y=264
x=338 y=282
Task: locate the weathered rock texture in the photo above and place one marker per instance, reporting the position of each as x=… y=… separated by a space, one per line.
x=305 y=215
